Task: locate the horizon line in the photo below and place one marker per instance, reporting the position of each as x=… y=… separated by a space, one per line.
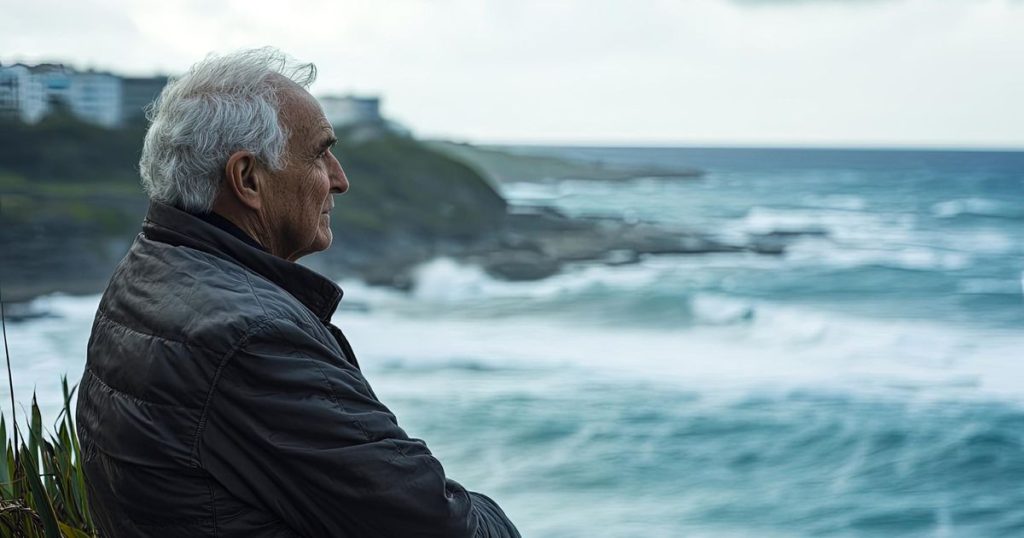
x=693 y=144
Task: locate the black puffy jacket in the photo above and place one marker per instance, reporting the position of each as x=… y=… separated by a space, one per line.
x=218 y=400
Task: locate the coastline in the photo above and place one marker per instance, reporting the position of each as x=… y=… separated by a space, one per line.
x=533 y=243
x=73 y=245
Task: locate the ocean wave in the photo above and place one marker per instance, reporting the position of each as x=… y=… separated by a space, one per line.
x=468 y=364
x=446 y=280
x=711 y=309
x=832 y=463
x=650 y=321
x=855 y=426
x=736 y=346
x=917 y=258
x=847 y=414
x=41 y=349
x=983 y=207
x=978 y=240
x=990 y=286
x=836 y=201
x=532 y=192
x=655 y=293
x=769 y=219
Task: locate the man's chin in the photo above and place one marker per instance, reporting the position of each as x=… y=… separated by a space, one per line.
x=323 y=240
x=320 y=243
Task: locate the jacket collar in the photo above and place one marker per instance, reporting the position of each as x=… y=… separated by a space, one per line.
x=170 y=225
x=227 y=226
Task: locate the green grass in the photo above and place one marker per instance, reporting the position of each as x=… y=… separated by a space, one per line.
x=399 y=185
x=12 y=182
x=42 y=484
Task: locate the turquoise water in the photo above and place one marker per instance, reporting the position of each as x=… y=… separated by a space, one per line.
x=868 y=382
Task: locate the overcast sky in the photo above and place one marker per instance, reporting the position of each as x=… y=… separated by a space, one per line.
x=750 y=72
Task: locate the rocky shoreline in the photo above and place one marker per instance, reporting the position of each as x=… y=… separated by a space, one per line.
x=425 y=204
x=539 y=242
x=533 y=243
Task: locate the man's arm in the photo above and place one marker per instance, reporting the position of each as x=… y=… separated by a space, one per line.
x=293 y=428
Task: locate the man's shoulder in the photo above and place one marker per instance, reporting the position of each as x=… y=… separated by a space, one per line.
x=183 y=294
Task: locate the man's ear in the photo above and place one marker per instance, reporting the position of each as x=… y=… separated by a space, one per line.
x=242 y=179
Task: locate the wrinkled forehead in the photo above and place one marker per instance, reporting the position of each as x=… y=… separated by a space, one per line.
x=301 y=113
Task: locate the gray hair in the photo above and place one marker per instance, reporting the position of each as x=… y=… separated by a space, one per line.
x=223 y=104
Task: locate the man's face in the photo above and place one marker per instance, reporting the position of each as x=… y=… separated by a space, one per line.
x=298 y=199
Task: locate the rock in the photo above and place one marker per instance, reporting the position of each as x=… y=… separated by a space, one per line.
x=621 y=257
x=519 y=265
x=776 y=241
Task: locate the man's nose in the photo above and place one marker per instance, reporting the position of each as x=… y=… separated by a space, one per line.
x=339 y=181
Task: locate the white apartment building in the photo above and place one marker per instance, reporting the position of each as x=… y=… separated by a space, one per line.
x=29 y=92
x=21 y=94
x=96 y=98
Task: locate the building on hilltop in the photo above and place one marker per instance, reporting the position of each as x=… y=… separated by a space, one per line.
x=54 y=84
x=30 y=92
x=343 y=110
x=96 y=98
x=362 y=114
x=12 y=87
x=22 y=93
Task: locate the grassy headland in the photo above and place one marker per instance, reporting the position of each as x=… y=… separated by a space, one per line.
x=71 y=202
x=507 y=164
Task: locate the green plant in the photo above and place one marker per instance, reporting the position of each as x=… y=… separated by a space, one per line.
x=42 y=484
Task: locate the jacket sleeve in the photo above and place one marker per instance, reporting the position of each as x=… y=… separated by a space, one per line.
x=292 y=427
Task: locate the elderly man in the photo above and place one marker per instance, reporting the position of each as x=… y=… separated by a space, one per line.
x=218 y=399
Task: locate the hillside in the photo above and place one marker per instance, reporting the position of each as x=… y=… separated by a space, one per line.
x=70 y=204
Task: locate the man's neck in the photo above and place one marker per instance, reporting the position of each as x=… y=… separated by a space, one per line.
x=216 y=219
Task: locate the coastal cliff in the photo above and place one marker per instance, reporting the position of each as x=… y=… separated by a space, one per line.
x=71 y=203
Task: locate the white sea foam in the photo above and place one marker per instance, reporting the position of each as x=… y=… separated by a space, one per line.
x=978 y=241
x=531 y=192
x=853 y=238
x=712 y=309
x=851 y=230
x=731 y=343
x=445 y=280
x=767 y=220
x=816 y=251
x=974 y=206
x=780 y=348
x=45 y=348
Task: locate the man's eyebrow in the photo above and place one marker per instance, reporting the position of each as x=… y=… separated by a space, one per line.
x=327 y=143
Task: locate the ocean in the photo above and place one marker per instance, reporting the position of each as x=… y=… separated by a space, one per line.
x=867 y=382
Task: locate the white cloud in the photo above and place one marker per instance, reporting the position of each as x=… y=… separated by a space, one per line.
x=702 y=71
